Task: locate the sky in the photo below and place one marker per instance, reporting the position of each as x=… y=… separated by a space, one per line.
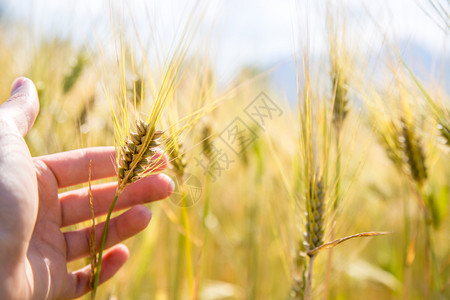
x=243 y=32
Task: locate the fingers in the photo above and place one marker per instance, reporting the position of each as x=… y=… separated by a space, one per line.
x=75 y=206
x=78 y=281
x=72 y=167
x=21 y=109
x=120 y=228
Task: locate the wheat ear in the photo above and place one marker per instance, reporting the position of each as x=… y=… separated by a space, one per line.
x=414 y=153
x=340 y=92
x=314 y=215
x=137 y=153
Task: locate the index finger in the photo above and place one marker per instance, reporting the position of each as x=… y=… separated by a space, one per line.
x=72 y=167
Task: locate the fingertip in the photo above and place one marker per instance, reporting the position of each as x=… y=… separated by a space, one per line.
x=150 y=188
x=166 y=185
x=113 y=260
x=23 y=86
x=121 y=252
x=143 y=215
x=78 y=281
x=22 y=107
x=170 y=187
x=132 y=222
x=17 y=84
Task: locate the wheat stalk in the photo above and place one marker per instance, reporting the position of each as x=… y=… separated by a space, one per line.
x=316 y=122
x=136 y=151
x=400 y=137
x=340 y=108
x=137 y=159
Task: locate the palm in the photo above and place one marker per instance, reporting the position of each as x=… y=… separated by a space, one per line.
x=47 y=253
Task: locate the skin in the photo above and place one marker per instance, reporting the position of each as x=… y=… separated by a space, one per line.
x=34 y=251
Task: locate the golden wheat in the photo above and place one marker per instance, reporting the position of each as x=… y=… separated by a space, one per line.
x=315 y=215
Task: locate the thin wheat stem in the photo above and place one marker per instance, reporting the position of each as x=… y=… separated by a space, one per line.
x=188 y=251
x=408 y=240
x=329 y=267
x=102 y=244
x=179 y=262
x=205 y=231
x=334 y=207
x=430 y=261
x=309 y=276
x=337 y=196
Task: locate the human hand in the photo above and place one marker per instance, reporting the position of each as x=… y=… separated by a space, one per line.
x=34 y=252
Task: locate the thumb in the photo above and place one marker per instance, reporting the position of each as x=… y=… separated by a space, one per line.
x=21 y=109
